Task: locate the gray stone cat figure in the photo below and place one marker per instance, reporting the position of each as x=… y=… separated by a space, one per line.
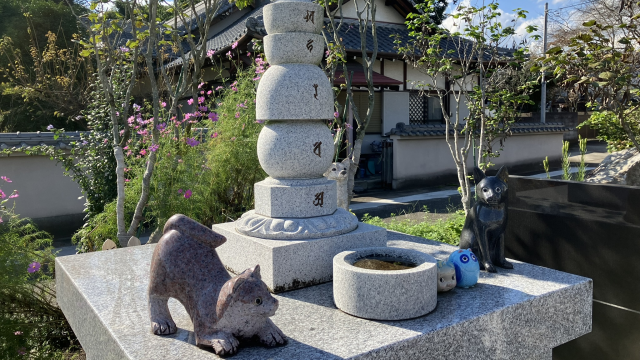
x=185 y=266
x=484 y=227
x=339 y=173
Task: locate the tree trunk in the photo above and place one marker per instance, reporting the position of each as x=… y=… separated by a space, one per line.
x=120 y=165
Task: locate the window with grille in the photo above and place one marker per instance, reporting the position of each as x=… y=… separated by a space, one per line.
x=424 y=109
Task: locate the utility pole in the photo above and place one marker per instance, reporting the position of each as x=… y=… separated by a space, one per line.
x=543 y=95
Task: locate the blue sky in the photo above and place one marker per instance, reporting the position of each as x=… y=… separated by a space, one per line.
x=534 y=17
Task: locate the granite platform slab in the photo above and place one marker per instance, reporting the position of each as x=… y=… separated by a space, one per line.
x=517 y=314
x=292 y=264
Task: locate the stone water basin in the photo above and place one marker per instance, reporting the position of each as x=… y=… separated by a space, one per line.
x=395 y=294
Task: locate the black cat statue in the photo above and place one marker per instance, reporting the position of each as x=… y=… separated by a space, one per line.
x=484 y=227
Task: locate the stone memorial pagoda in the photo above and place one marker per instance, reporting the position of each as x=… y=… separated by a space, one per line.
x=296 y=227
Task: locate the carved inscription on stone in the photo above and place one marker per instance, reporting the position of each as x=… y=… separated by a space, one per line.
x=315 y=86
x=316 y=148
x=309 y=16
x=309 y=45
x=319 y=201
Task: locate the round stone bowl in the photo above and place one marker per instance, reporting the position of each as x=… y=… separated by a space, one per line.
x=385 y=294
x=294 y=48
x=293 y=16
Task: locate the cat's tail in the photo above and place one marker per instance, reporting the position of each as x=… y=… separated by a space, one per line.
x=197 y=231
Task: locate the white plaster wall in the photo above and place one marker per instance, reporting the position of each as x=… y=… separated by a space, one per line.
x=395 y=109
x=394 y=70
x=43 y=188
x=463 y=109
x=383 y=12
x=415 y=78
x=422 y=158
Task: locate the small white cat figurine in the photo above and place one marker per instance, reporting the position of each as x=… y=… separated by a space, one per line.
x=339 y=172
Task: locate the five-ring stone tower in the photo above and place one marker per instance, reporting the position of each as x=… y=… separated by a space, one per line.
x=296 y=227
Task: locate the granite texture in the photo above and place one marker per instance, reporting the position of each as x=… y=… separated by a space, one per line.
x=294 y=48
x=385 y=294
x=275 y=199
x=295 y=149
x=294 y=92
x=252 y=224
x=223 y=310
x=290 y=264
x=289 y=16
x=516 y=314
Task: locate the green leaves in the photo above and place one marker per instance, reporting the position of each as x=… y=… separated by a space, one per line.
x=589 y=23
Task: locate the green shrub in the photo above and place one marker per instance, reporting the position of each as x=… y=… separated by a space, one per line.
x=206 y=167
x=31 y=323
x=446 y=231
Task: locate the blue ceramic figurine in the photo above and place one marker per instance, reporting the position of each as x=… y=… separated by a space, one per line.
x=467 y=267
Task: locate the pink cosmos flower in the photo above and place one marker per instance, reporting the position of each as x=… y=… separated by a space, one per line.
x=201 y=100
x=336 y=114
x=5 y=179
x=214 y=135
x=233 y=138
x=200 y=85
x=163 y=104
x=190 y=101
x=209 y=92
x=229 y=55
x=2 y=195
x=14 y=195
x=143 y=152
x=213 y=116
x=187 y=194
x=127 y=180
x=210 y=53
x=203 y=108
x=248 y=53
x=237 y=115
x=179 y=191
x=17 y=333
x=154 y=147
x=33 y=267
x=219 y=88
x=235 y=45
x=50 y=127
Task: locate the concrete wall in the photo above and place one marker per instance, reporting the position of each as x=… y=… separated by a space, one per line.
x=422 y=160
x=46 y=195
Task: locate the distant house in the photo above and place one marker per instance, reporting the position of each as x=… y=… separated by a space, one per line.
x=398 y=104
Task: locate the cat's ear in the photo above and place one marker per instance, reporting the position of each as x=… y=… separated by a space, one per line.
x=503 y=174
x=478 y=174
x=346 y=162
x=255 y=272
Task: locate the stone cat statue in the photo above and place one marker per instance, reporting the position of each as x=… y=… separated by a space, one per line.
x=339 y=172
x=185 y=266
x=483 y=230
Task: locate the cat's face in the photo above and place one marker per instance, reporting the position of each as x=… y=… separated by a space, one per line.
x=337 y=171
x=253 y=296
x=446 y=276
x=491 y=190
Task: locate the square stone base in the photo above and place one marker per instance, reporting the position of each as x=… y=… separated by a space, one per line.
x=292 y=264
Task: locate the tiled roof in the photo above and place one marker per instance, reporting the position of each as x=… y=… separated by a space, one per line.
x=440 y=129
x=23 y=140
